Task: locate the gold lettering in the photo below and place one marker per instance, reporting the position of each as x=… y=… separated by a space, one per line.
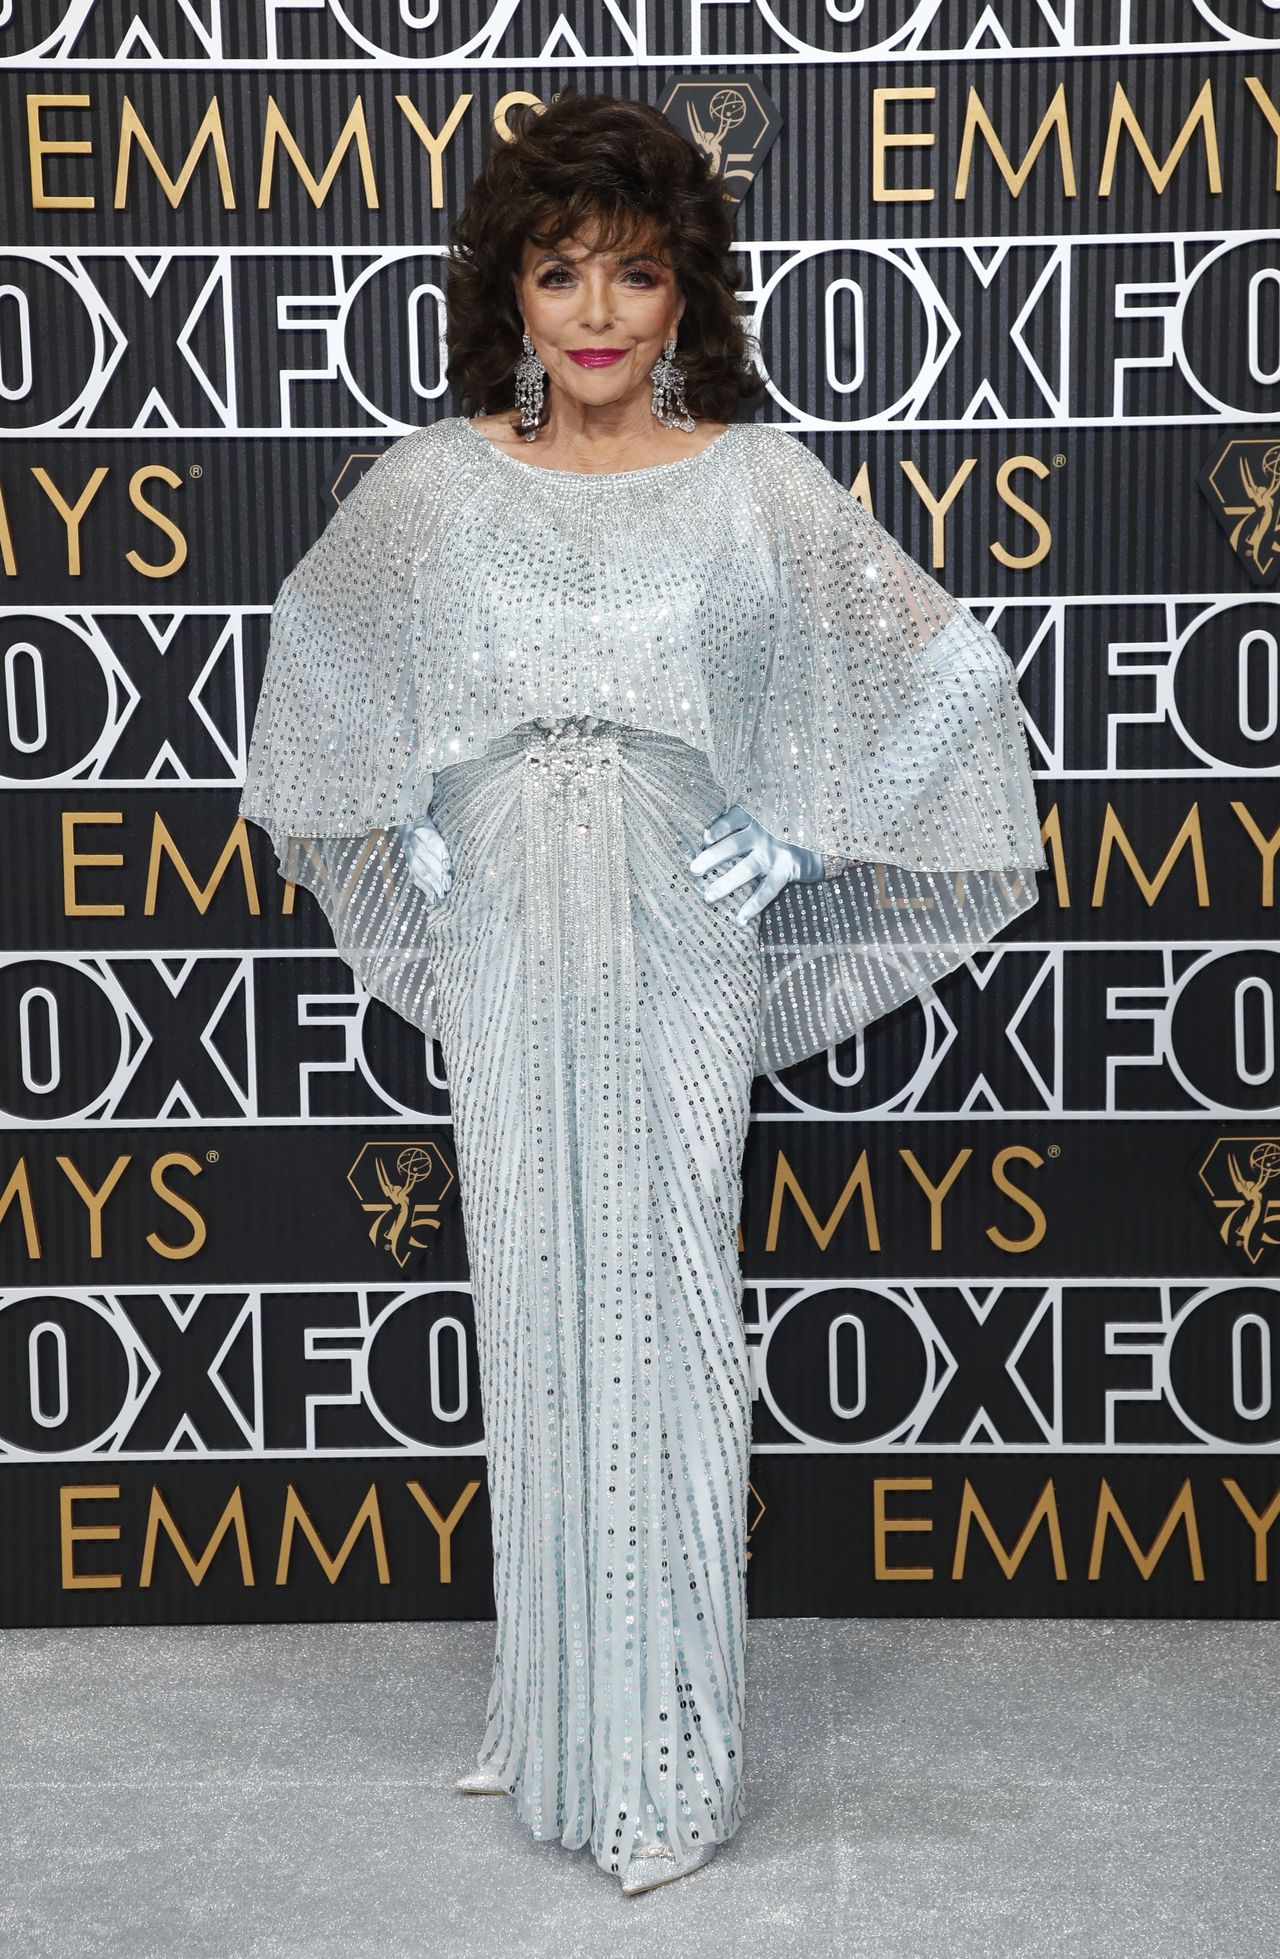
x=938 y=506
x=1259 y=1525
x=277 y=131
x=935 y=1192
x=8 y=556
x=883 y=1525
x=1017 y=1152
x=93 y=1200
x=19 y=1188
x=1182 y=1509
x=444 y=1527
x=1051 y=835
x=133 y=130
x=142 y=475
x=1124 y=117
x=1054 y=118
x=232 y=1518
x=71 y=514
x=163 y=845
x=1004 y=476
x=434 y=145
x=200 y=1229
x=72 y=1534
x=295 y=1517
x=1189 y=836
x=1267 y=847
x=861 y=488
x=883 y=139
x=1046 y=1512
x=72 y=859
x=39 y=146
x=501 y=126
x=785 y=1179
x=1269 y=110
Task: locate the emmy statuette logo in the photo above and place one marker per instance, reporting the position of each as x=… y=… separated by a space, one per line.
x=1237 y=1174
x=1243 y=485
x=733 y=123
x=401 y=1186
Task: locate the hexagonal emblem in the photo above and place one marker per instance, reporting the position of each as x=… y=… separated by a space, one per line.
x=731 y=120
x=1242 y=483
x=401 y=1186
x=1237 y=1174
x=355 y=464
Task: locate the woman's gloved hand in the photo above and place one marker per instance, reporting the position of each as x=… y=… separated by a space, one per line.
x=430 y=865
x=736 y=839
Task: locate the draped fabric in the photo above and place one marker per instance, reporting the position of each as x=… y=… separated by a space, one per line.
x=598 y=1024
x=739 y=600
x=575 y=675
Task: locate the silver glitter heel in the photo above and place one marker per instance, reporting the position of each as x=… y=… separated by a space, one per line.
x=481 y=1782
x=655 y=1864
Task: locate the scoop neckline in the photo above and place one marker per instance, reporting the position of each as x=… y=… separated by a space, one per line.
x=596 y=475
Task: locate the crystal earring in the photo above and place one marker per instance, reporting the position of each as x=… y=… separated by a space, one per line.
x=668 y=402
x=530 y=375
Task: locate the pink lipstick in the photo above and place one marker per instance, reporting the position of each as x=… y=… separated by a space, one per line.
x=596 y=356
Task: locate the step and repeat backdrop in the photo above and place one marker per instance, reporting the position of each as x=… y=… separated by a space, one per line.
x=1011 y=1261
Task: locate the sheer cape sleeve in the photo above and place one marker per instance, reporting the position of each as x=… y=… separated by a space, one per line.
x=889 y=738
x=843 y=698
x=335 y=760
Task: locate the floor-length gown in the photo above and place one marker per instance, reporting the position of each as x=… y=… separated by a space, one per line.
x=576 y=673
x=598 y=1021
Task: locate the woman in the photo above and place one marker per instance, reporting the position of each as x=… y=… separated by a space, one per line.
x=551 y=689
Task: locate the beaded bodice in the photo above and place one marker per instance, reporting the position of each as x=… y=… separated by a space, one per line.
x=737 y=598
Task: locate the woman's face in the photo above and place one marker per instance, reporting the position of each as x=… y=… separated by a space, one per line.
x=575 y=304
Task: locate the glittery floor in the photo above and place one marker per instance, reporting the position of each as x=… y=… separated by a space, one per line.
x=913 y=1788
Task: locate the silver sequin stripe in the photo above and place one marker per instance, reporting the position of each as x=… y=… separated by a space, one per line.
x=598 y=1021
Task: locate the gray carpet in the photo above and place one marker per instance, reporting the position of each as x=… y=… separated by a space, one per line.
x=914 y=1788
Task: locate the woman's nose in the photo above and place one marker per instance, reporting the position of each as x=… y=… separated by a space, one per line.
x=596 y=309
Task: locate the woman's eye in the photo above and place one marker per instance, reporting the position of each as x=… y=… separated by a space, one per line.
x=559 y=273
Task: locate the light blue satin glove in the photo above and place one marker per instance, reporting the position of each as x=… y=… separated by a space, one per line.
x=430 y=865
x=751 y=851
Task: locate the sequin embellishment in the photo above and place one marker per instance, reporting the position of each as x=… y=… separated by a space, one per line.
x=568 y=750
x=575 y=674
x=738 y=599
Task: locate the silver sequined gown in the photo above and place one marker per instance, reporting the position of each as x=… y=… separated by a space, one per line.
x=575 y=674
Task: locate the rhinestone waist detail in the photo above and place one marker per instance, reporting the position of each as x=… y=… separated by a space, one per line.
x=568 y=746
x=568 y=751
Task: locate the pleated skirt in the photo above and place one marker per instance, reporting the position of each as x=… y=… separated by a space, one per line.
x=598 y=1019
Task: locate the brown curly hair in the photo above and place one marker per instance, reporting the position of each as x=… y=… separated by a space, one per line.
x=623 y=165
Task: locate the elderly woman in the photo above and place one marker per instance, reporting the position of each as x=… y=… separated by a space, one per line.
x=557 y=685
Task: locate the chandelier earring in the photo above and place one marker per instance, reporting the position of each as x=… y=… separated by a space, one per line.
x=530 y=375
x=668 y=402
